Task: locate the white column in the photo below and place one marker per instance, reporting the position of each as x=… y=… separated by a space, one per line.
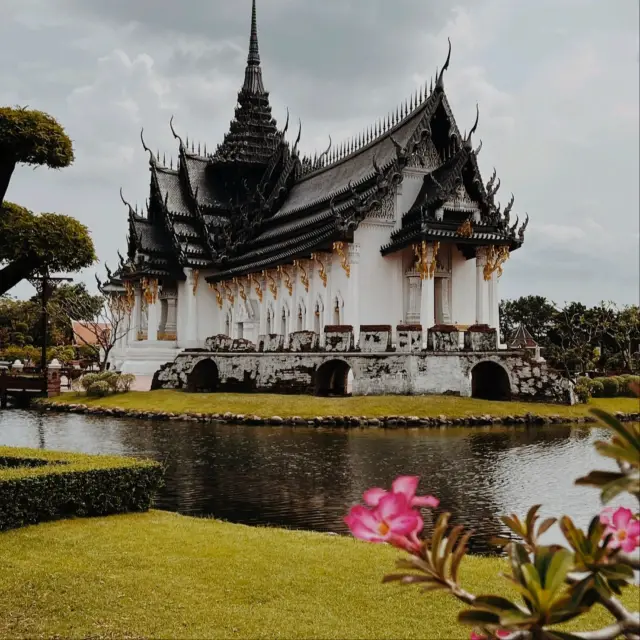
x=328 y=299
x=427 y=299
x=191 y=329
x=481 y=287
x=494 y=306
x=310 y=297
x=137 y=313
x=353 y=301
x=153 y=319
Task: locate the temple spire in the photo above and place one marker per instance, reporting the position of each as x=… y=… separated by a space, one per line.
x=253 y=73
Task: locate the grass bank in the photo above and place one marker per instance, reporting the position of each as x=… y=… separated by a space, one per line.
x=163 y=575
x=267 y=405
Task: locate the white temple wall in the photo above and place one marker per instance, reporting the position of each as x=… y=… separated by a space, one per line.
x=181 y=311
x=207 y=310
x=380 y=295
x=463 y=286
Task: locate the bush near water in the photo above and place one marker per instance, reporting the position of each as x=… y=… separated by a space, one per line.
x=36 y=485
x=606 y=387
x=99 y=385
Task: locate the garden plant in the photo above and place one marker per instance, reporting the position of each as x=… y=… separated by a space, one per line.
x=555 y=583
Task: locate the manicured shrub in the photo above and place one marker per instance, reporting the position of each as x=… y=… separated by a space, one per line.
x=624 y=382
x=99 y=389
x=87 y=380
x=611 y=387
x=583 y=389
x=124 y=382
x=597 y=388
x=36 y=485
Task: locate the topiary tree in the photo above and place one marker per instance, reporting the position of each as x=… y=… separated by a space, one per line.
x=30 y=243
x=555 y=584
x=33 y=138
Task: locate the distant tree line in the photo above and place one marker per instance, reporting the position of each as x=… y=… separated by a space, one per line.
x=575 y=338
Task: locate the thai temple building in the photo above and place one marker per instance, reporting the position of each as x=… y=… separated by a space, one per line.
x=394 y=226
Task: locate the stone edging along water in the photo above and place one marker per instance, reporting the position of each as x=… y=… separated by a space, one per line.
x=329 y=421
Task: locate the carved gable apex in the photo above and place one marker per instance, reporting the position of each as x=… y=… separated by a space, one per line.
x=460 y=200
x=425 y=156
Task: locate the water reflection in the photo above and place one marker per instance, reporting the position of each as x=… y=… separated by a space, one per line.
x=307 y=478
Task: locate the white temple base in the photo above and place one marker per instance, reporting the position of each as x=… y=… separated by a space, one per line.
x=143 y=358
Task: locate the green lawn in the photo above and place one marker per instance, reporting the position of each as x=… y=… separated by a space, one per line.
x=267 y=405
x=164 y=575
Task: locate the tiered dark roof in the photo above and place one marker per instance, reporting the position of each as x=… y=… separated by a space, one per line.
x=255 y=203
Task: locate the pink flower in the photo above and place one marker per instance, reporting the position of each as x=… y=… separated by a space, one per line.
x=392 y=521
x=406 y=486
x=624 y=528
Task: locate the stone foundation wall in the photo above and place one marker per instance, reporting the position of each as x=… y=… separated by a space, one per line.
x=407 y=371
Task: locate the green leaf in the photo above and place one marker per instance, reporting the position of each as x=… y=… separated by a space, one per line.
x=559 y=568
x=617 y=571
x=531 y=518
x=546 y=525
x=448 y=550
x=458 y=555
x=475 y=617
x=617 y=452
x=599 y=478
x=497 y=604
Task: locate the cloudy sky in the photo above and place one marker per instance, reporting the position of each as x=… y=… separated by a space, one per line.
x=556 y=82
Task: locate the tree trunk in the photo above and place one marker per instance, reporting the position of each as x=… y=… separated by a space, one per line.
x=16 y=271
x=6 y=171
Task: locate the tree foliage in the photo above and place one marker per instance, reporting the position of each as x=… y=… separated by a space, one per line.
x=30 y=137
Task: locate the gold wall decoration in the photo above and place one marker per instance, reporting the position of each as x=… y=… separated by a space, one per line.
x=323 y=271
x=130 y=295
x=167 y=337
x=258 y=286
x=496 y=257
x=287 y=279
x=230 y=297
x=215 y=288
x=426 y=268
x=196 y=280
x=465 y=230
x=241 y=291
x=150 y=290
x=273 y=287
x=304 y=277
x=338 y=247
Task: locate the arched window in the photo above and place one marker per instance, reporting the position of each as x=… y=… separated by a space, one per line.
x=270 y=326
x=316 y=318
x=283 y=322
x=227 y=325
x=300 y=323
x=336 y=312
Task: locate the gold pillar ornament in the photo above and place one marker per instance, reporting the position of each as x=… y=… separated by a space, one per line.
x=323 y=271
x=230 y=297
x=338 y=247
x=496 y=257
x=273 y=287
x=421 y=259
x=304 y=277
x=241 y=291
x=196 y=280
x=434 y=260
x=287 y=279
x=150 y=290
x=258 y=286
x=216 y=289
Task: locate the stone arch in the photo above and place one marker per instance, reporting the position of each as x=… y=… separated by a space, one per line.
x=490 y=381
x=204 y=377
x=332 y=378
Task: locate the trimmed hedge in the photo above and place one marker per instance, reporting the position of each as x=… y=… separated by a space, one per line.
x=36 y=485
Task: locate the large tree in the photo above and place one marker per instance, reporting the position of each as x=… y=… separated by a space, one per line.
x=536 y=313
x=29 y=243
